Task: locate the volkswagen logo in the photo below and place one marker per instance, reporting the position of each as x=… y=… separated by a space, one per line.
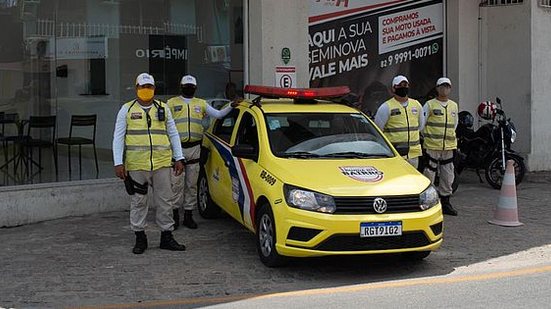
x=379 y=205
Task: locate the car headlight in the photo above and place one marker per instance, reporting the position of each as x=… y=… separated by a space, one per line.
x=309 y=200
x=429 y=198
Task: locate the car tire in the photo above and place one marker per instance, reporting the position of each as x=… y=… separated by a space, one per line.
x=416 y=255
x=266 y=238
x=207 y=208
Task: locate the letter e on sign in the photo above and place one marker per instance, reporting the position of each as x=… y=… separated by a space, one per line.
x=285 y=77
x=285 y=81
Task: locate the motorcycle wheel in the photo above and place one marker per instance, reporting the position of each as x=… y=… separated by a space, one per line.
x=494 y=172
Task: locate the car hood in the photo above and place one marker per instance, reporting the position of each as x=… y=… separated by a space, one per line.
x=351 y=177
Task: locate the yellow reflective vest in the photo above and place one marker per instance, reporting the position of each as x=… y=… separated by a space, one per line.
x=188 y=118
x=402 y=127
x=439 y=132
x=147 y=145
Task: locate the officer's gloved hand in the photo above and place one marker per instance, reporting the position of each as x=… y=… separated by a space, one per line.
x=178 y=167
x=120 y=171
x=236 y=102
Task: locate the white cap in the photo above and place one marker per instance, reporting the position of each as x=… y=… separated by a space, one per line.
x=145 y=79
x=188 y=79
x=398 y=79
x=443 y=80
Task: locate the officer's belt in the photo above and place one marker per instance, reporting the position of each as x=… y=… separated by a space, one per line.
x=192 y=161
x=190 y=144
x=442 y=162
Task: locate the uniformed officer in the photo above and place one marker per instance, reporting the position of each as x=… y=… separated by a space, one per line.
x=440 y=141
x=401 y=119
x=189 y=112
x=144 y=142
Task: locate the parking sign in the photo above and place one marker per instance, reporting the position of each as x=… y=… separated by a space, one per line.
x=285 y=77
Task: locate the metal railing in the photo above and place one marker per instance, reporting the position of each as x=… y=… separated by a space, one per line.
x=501 y=2
x=545 y=3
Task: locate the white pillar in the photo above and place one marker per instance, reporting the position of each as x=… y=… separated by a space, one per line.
x=274 y=25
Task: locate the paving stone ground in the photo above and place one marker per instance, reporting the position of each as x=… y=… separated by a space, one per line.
x=85 y=261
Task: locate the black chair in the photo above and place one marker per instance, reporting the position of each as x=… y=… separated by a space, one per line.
x=40 y=124
x=7 y=120
x=80 y=121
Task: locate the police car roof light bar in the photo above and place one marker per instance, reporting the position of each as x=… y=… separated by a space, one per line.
x=297 y=93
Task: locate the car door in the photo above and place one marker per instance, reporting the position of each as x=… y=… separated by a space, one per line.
x=218 y=158
x=246 y=171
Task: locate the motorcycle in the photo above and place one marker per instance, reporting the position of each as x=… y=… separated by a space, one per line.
x=488 y=148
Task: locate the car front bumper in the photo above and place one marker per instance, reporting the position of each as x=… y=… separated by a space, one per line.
x=303 y=233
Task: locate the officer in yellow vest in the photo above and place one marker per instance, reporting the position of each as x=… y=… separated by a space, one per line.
x=144 y=143
x=401 y=119
x=189 y=112
x=440 y=141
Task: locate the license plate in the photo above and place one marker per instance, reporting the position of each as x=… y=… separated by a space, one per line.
x=380 y=229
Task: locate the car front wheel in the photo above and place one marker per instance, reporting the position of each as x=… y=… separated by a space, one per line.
x=266 y=238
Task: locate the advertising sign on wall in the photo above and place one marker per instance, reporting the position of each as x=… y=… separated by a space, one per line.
x=364 y=43
x=163 y=56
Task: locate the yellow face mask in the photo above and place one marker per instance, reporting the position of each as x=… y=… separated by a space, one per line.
x=146 y=94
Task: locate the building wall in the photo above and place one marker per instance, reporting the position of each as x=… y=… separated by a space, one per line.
x=463 y=53
x=506 y=65
x=490 y=54
x=20 y=205
x=540 y=156
x=274 y=25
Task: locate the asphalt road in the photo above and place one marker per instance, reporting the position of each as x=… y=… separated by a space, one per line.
x=496 y=283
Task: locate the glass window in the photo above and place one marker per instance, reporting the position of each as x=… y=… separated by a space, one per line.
x=68 y=58
x=223 y=128
x=325 y=135
x=248 y=133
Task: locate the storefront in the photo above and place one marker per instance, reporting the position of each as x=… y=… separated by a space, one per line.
x=64 y=58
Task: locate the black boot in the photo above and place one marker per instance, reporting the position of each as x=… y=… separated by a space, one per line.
x=447 y=206
x=141 y=243
x=176 y=217
x=188 y=220
x=169 y=243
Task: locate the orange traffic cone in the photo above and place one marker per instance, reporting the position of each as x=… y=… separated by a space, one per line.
x=506 y=212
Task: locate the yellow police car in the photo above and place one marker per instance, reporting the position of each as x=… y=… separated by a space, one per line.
x=311 y=177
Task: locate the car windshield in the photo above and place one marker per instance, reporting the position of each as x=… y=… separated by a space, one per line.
x=324 y=135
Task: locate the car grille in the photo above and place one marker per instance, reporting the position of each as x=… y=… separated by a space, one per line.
x=357 y=243
x=364 y=205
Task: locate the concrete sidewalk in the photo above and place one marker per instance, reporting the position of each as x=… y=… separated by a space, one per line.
x=85 y=261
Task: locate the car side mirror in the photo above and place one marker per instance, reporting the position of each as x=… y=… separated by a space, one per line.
x=498 y=100
x=402 y=150
x=245 y=151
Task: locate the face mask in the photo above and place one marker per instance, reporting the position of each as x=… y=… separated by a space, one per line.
x=444 y=91
x=401 y=92
x=146 y=94
x=188 y=92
